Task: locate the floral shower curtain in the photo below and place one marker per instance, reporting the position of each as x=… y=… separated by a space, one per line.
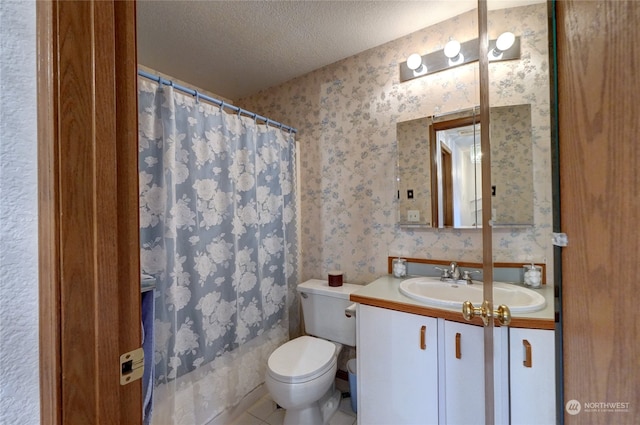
x=218 y=232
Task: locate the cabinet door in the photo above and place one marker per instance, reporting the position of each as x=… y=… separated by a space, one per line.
x=532 y=376
x=464 y=373
x=463 y=380
x=397 y=367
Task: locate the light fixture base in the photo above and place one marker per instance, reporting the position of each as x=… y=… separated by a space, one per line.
x=469 y=50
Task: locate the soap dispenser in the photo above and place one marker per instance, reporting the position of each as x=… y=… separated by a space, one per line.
x=532 y=275
x=399 y=267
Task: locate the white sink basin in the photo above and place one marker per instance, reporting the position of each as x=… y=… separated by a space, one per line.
x=432 y=291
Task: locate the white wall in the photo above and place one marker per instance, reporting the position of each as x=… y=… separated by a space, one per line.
x=19 y=389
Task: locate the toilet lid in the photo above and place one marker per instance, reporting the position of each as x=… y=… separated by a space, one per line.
x=301 y=359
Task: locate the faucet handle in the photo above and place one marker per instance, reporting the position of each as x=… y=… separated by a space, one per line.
x=445 y=272
x=466 y=275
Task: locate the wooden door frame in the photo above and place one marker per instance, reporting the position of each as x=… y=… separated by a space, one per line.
x=88 y=211
x=447 y=185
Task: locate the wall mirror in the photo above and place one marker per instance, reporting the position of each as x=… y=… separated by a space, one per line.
x=439 y=175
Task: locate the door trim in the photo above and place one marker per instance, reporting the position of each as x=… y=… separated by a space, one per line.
x=88 y=215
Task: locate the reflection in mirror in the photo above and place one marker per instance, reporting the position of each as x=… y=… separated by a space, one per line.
x=455 y=197
x=459 y=195
x=511 y=165
x=440 y=184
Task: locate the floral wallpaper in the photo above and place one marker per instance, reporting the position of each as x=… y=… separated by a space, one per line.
x=346 y=115
x=414 y=170
x=511 y=164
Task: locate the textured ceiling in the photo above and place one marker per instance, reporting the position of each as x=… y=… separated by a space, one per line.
x=235 y=48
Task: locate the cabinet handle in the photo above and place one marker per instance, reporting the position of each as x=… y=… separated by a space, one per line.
x=423 y=337
x=458 y=350
x=527 y=353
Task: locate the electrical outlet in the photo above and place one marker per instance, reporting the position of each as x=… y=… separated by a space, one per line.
x=413 y=215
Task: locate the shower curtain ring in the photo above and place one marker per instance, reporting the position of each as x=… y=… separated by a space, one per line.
x=197 y=96
x=239 y=111
x=255 y=118
x=160 y=85
x=221 y=106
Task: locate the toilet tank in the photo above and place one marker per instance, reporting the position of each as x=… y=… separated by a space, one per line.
x=323 y=310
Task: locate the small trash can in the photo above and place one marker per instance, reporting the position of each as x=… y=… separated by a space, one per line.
x=353 y=387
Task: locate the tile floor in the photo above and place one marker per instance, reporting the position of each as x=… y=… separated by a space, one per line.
x=265 y=411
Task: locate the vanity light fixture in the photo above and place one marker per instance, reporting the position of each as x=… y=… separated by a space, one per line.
x=455 y=53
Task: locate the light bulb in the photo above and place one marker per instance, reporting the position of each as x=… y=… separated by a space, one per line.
x=414 y=61
x=505 y=41
x=452 y=49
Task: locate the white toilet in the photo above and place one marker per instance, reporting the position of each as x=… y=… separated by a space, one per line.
x=301 y=373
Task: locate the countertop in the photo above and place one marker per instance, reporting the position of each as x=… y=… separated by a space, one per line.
x=385 y=292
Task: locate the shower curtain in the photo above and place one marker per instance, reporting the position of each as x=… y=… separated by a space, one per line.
x=218 y=232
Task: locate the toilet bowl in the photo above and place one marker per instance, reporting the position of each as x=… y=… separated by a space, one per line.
x=301 y=373
x=300 y=378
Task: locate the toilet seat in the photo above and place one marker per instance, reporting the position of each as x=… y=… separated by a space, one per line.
x=301 y=360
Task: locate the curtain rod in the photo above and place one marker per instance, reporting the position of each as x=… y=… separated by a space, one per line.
x=217 y=102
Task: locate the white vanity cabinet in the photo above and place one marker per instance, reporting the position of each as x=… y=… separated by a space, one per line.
x=415 y=369
x=397 y=367
x=532 y=376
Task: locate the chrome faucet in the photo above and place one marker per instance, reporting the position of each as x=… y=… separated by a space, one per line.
x=450 y=273
x=455 y=275
x=454 y=270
